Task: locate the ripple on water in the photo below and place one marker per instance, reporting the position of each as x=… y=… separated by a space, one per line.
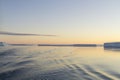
x=50 y=64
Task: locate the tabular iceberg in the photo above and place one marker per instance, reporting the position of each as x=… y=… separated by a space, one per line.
x=3 y=44
x=112 y=45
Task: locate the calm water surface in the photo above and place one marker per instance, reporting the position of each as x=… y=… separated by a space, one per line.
x=59 y=63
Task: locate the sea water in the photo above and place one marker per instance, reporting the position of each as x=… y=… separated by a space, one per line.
x=59 y=63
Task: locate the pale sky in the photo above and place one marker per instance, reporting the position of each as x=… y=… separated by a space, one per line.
x=73 y=21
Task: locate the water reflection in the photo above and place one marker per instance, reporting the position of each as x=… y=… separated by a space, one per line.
x=112 y=49
x=58 y=63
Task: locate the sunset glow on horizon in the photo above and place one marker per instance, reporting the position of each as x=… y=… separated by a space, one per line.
x=72 y=21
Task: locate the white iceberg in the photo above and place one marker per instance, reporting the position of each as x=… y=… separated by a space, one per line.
x=3 y=44
x=112 y=45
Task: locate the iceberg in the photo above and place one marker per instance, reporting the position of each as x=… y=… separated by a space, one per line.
x=112 y=45
x=3 y=44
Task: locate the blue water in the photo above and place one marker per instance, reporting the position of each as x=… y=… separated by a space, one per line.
x=59 y=63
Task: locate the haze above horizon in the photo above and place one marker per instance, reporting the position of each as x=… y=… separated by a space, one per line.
x=75 y=21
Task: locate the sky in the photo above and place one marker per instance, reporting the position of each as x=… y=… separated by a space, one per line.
x=72 y=21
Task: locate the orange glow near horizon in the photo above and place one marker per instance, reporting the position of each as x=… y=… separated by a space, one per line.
x=73 y=21
x=52 y=40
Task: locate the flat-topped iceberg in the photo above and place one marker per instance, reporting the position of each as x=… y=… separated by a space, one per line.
x=3 y=44
x=112 y=45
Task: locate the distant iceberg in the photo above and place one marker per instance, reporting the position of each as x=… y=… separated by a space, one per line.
x=3 y=44
x=67 y=45
x=85 y=45
x=112 y=45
